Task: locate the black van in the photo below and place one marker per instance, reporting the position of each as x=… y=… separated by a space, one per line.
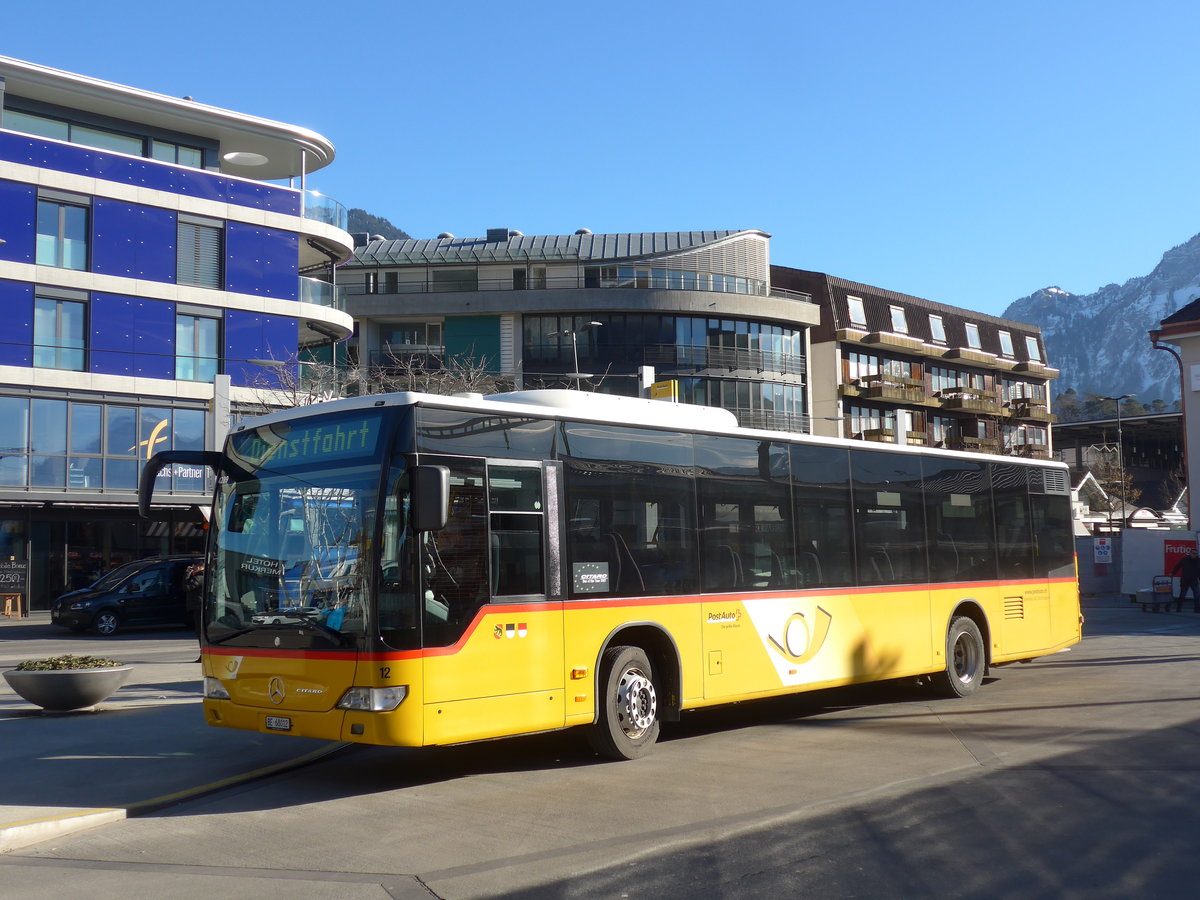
x=145 y=592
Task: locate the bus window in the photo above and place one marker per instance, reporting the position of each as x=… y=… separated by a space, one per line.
x=1014 y=534
x=889 y=517
x=632 y=510
x=821 y=502
x=958 y=515
x=515 y=516
x=398 y=620
x=745 y=515
x=454 y=560
x=1053 y=526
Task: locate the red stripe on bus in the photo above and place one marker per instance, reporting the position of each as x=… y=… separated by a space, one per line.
x=620 y=603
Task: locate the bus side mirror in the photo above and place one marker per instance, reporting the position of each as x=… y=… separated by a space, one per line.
x=430 y=497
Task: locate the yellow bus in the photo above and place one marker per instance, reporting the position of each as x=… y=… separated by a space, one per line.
x=420 y=570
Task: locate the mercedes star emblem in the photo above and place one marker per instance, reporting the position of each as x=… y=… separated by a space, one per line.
x=276 y=690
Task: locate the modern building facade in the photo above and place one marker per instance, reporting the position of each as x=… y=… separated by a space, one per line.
x=698 y=308
x=895 y=368
x=151 y=276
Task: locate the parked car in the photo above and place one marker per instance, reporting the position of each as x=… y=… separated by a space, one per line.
x=145 y=592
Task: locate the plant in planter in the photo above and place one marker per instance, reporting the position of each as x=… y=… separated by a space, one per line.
x=63 y=683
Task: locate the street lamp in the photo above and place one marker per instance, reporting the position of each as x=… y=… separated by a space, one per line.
x=1120 y=457
x=574 y=333
x=1155 y=337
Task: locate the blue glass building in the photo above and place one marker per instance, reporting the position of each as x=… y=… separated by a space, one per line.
x=155 y=252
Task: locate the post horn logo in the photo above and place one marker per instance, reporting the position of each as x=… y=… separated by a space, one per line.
x=800 y=642
x=276 y=690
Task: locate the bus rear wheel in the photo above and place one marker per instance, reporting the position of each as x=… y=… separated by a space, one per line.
x=628 y=724
x=965 y=659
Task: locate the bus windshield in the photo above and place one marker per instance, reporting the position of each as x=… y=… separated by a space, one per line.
x=292 y=533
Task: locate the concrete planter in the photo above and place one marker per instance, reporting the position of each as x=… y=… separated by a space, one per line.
x=64 y=689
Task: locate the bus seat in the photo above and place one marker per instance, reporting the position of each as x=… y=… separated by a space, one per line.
x=628 y=578
x=809 y=567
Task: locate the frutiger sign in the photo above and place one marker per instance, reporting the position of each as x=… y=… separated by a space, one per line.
x=1175 y=550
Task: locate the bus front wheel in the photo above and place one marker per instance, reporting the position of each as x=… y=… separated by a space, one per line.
x=965 y=659
x=628 y=723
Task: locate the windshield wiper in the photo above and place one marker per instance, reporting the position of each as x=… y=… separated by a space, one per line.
x=235 y=633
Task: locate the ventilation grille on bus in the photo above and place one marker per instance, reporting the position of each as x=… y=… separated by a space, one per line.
x=1014 y=607
x=1049 y=481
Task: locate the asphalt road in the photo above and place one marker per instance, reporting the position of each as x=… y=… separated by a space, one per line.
x=1073 y=776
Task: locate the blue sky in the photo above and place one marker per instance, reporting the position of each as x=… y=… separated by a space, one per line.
x=962 y=152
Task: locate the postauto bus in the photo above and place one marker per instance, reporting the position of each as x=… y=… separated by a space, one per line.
x=421 y=570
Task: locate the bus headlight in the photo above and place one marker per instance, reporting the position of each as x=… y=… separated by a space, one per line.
x=373 y=699
x=213 y=689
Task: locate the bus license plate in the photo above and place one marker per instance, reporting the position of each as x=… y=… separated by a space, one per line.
x=279 y=723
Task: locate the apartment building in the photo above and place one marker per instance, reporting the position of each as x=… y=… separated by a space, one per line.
x=895 y=368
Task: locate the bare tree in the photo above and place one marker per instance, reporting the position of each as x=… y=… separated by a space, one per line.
x=297 y=382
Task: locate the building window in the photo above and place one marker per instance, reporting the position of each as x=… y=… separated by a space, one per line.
x=61 y=130
x=973 y=336
x=59 y=334
x=167 y=151
x=1032 y=348
x=937 y=329
x=197 y=342
x=200 y=254
x=456 y=280
x=1006 y=344
x=860 y=365
x=62 y=233
x=858 y=314
x=899 y=320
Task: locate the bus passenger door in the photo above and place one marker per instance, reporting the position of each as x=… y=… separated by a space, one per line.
x=493 y=629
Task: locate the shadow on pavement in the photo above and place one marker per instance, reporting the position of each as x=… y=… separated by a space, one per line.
x=1134 y=813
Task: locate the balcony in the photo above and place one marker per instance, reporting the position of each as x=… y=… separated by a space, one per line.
x=317 y=207
x=895 y=388
x=699 y=357
x=322 y=293
x=975 y=445
x=1025 y=408
x=467 y=280
x=965 y=399
x=891 y=339
x=880 y=435
x=1032 y=451
x=977 y=357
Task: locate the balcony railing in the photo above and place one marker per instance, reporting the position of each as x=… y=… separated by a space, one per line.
x=771 y=420
x=468 y=281
x=882 y=386
x=322 y=293
x=697 y=357
x=319 y=208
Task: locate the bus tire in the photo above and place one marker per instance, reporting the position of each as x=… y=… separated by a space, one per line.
x=628 y=723
x=965 y=659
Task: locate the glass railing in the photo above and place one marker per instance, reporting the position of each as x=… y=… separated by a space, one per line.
x=319 y=208
x=322 y=293
x=465 y=281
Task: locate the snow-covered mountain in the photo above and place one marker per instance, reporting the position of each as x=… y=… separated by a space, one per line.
x=1099 y=340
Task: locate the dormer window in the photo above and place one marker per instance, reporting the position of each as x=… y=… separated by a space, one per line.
x=973 y=336
x=899 y=320
x=858 y=313
x=1006 y=344
x=1032 y=348
x=937 y=329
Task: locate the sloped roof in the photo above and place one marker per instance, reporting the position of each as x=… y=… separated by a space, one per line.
x=585 y=247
